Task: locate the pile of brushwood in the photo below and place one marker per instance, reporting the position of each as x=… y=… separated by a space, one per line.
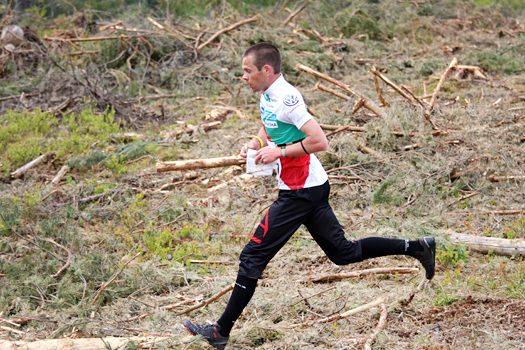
x=124 y=204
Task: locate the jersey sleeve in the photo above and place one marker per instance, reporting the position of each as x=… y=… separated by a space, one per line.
x=296 y=111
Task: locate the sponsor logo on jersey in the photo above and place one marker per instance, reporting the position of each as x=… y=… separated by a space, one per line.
x=290 y=100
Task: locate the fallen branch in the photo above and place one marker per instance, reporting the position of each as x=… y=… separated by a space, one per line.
x=378 y=90
x=414 y=96
x=349 y=313
x=500 y=246
x=368 y=103
x=295 y=13
x=204 y=127
x=346 y=127
x=115 y=275
x=199 y=163
x=69 y=256
x=361 y=273
x=61 y=173
x=430 y=107
x=376 y=73
x=321 y=87
x=343 y=128
x=227 y=29
x=207 y=301
x=380 y=326
x=21 y=171
x=91 y=198
x=11 y=330
x=462 y=198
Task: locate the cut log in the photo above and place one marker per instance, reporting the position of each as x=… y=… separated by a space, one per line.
x=63 y=171
x=368 y=103
x=192 y=164
x=500 y=246
x=21 y=171
x=82 y=343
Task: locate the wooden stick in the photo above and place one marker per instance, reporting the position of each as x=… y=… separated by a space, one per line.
x=462 y=198
x=227 y=29
x=12 y=330
x=495 y=178
x=430 y=107
x=368 y=103
x=21 y=171
x=347 y=127
x=380 y=326
x=61 y=173
x=91 y=198
x=205 y=127
x=376 y=73
x=414 y=96
x=115 y=275
x=207 y=301
x=218 y=262
x=343 y=128
x=414 y=146
x=500 y=246
x=295 y=13
x=361 y=273
x=378 y=90
x=349 y=313
x=321 y=87
x=493 y=212
x=199 y=163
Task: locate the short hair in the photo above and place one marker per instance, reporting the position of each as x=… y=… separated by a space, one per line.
x=265 y=53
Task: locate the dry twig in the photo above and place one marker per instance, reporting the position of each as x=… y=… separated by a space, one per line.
x=360 y=273
x=227 y=29
x=380 y=326
x=295 y=13
x=430 y=107
x=207 y=301
x=349 y=313
x=115 y=275
x=368 y=103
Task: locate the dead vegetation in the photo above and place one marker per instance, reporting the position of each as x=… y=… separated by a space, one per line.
x=424 y=108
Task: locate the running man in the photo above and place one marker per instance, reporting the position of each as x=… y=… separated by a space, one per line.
x=293 y=137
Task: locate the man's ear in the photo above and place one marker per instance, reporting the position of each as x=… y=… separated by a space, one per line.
x=267 y=69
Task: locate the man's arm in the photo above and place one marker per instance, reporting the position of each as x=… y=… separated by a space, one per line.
x=315 y=141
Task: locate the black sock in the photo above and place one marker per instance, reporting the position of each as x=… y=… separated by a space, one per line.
x=374 y=247
x=241 y=295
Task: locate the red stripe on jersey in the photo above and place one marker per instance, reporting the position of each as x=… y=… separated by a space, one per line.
x=295 y=171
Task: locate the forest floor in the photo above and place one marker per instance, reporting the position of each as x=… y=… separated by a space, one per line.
x=114 y=248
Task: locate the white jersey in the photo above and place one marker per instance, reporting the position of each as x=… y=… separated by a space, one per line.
x=283 y=114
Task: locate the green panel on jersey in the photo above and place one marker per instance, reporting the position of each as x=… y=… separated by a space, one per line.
x=285 y=133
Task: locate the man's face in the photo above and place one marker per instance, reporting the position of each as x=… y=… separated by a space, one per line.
x=256 y=79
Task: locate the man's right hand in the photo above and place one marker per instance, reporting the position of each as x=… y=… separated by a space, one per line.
x=253 y=144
